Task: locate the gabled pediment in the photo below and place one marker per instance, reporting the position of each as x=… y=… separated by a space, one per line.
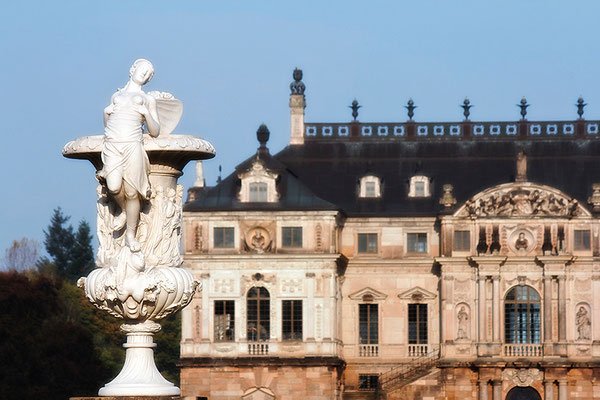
x=417 y=294
x=521 y=199
x=369 y=294
x=258 y=393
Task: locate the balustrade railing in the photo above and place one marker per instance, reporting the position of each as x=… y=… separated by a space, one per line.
x=418 y=350
x=399 y=376
x=452 y=130
x=368 y=350
x=258 y=349
x=523 y=350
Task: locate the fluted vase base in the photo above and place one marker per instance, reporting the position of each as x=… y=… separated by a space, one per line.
x=139 y=376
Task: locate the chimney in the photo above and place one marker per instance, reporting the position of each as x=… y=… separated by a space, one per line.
x=297 y=106
x=200 y=182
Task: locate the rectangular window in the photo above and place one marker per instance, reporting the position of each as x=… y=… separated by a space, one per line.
x=370 y=189
x=223 y=238
x=224 y=320
x=462 y=240
x=258 y=192
x=368 y=321
x=291 y=236
x=417 y=323
x=416 y=242
x=367 y=243
x=291 y=328
x=420 y=189
x=368 y=381
x=582 y=239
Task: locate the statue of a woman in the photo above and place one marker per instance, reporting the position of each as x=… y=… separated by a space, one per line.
x=583 y=323
x=126 y=166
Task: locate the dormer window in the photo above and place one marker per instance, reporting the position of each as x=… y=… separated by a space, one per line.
x=419 y=186
x=258 y=192
x=370 y=186
x=258 y=185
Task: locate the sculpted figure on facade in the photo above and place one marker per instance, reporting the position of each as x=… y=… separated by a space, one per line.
x=463 y=324
x=584 y=325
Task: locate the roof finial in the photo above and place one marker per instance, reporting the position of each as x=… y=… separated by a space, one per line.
x=466 y=106
x=262 y=134
x=354 y=108
x=297 y=87
x=447 y=199
x=411 y=109
x=219 y=177
x=523 y=105
x=580 y=104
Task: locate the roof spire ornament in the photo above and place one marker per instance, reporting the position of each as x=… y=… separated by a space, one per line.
x=466 y=106
x=297 y=87
x=354 y=108
x=263 y=134
x=523 y=106
x=447 y=199
x=580 y=104
x=411 y=109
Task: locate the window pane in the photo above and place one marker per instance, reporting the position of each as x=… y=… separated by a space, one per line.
x=370 y=189
x=224 y=320
x=368 y=323
x=291 y=236
x=367 y=243
x=292 y=319
x=368 y=382
x=522 y=319
x=582 y=239
x=416 y=242
x=258 y=314
x=462 y=240
x=258 y=192
x=419 y=188
x=417 y=324
x=223 y=238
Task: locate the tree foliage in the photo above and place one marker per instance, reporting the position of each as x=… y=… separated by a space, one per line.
x=71 y=252
x=22 y=255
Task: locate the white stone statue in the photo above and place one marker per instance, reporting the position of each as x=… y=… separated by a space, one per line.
x=139 y=278
x=463 y=324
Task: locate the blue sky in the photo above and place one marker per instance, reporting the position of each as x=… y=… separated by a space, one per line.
x=231 y=63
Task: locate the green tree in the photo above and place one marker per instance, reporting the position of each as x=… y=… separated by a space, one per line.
x=71 y=252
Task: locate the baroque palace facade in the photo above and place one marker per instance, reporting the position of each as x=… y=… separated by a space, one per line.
x=400 y=261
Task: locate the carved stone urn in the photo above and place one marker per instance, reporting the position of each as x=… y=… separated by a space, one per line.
x=141 y=287
x=139 y=276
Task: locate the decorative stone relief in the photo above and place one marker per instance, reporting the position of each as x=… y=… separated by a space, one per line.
x=319 y=321
x=582 y=285
x=583 y=323
x=318 y=237
x=225 y=286
x=258 y=240
x=463 y=320
x=292 y=286
x=462 y=292
x=198 y=238
x=521 y=200
x=522 y=376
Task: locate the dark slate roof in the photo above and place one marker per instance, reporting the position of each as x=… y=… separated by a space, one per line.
x=325 y=174
x=293 y=194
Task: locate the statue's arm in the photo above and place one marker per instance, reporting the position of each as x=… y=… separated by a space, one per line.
x=151 y=115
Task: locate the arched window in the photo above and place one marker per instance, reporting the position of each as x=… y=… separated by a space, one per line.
x=259 y=322
x=522 y=315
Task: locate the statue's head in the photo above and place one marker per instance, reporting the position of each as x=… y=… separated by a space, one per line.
x=141 y=71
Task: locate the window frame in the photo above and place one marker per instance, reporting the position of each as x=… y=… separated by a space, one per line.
x=260 y=196
x=225 y=230
x=421 y=327
x=409 y=251
x=368 y=246
x=295 y=320
x=257 y=334
x=370 y=309
x=577 y=246
x=468 y=241
x=371 y=382
x=531 y=333
x=292 y=244
x=226 y=303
